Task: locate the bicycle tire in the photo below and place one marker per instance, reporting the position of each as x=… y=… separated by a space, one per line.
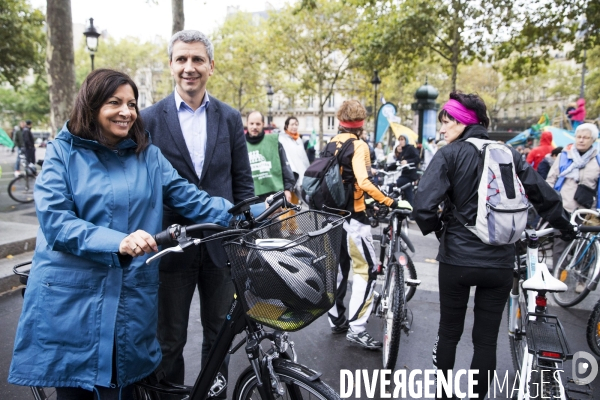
x=392 y=320
x=412 y=273
x=542 y=384
x=593 y=329
x=20 y=189
x=517 y=346
x=582 y=272
x=296 y=384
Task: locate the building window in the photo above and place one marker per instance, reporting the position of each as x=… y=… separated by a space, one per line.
x=517 y=113
x=142 y=100
x=504 y=113
x=530 y=112
x=543 y=95
x=330 y=123
x=309 y=123
x=310 y=102
x=331 y=101
x=543 y=109
x=142 y=80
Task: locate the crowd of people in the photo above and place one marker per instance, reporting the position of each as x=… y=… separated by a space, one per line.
x=96 y=319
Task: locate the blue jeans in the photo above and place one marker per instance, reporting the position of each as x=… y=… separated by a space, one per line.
x=180 y=275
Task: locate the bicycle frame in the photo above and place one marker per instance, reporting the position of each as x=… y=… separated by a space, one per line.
x=532 y=313
x=593 y=283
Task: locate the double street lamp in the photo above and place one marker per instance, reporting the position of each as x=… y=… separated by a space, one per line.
x=375 y=81
x=91 y=39
x=270 y=94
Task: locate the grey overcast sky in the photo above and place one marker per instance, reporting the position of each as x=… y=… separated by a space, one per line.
x=147 y=19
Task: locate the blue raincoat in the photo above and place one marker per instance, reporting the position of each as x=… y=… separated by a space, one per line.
x=82 y=297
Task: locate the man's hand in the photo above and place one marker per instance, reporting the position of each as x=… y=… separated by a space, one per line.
x=138 y=243
x=568 y=234
x=288 y=196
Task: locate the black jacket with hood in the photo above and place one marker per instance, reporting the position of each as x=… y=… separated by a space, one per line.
x=453 y=176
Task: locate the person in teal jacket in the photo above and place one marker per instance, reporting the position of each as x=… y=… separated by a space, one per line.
x=88 y=324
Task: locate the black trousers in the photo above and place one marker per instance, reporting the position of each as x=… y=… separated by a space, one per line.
x=492 y=289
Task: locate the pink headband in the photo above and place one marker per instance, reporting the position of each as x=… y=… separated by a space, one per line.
x=461 y=113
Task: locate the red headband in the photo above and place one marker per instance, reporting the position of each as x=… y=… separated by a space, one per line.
x=352 y=124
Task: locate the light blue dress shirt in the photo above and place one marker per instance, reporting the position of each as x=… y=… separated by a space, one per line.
x=193 y=127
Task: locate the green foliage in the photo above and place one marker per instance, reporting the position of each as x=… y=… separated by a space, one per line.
x=313 y=48
x=129 y=55
x=22 y=40
x=394 y=34
x=240 y=76
x=27 y=101
x=592 y=81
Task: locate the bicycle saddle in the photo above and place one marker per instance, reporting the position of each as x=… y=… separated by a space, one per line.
x=543 y=280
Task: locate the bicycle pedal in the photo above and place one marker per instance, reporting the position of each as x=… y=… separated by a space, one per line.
x=412 y=282
x=376 y=301
x=218 y=386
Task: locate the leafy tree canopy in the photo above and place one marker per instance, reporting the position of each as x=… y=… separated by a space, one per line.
x=22 y=40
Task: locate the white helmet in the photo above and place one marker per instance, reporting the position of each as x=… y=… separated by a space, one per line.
x=293 y=275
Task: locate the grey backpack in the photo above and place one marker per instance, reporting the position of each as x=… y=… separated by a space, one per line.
x=502 y=203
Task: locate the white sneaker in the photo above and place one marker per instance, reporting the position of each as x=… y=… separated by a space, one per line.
x=17 y=174
x=579 y=288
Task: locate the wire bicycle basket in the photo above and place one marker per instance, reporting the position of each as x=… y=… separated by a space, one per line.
x=285 y=273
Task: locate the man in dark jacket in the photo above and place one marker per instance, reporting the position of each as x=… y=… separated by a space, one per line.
x=18 y=140
x=409 y=155
x=203 y=138
x=28 y=143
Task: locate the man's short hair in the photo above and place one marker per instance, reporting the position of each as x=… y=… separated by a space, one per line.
x=262 y=117
x=28 y=122
x=556 y=151
x=191 y=36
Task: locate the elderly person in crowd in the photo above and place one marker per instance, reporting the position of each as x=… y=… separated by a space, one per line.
x=575 y=175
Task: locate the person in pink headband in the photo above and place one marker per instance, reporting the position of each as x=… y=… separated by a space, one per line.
x=461 y=111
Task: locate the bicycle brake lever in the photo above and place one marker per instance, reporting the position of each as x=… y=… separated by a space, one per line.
x=176 y=249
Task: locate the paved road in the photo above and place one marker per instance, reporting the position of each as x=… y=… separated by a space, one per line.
x=329 y=353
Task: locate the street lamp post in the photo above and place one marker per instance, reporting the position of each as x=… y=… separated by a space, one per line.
x=91 y=39
x=270 y=94
x=375 y=81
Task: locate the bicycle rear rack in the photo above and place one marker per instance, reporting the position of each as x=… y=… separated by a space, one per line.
x=546 y=340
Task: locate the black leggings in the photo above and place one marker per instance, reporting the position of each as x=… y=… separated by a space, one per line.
x=493 y=287
x=100 y=393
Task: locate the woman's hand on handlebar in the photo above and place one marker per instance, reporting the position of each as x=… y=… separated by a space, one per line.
x=137 y=244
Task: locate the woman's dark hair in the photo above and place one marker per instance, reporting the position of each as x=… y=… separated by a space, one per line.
x=472 y=101
x=95 y=90
x=287 y=121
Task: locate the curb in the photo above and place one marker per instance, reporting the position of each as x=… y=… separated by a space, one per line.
x=18 y=247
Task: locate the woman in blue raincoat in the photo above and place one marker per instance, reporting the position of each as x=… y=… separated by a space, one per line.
x=88 y=324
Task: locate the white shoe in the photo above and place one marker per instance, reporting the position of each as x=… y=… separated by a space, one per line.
x=579 y=288
x=17 y=174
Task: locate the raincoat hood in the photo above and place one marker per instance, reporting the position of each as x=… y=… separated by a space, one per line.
x=546 y=138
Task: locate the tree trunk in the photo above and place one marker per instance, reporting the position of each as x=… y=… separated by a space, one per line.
x=178 y=17
x=60 y=62
x=321 y=114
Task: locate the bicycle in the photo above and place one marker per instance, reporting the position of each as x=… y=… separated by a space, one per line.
x=579 y=265
x=20 y=189
x=394 y=289
x=273 y=373
x=592 y=332
x=537 y=341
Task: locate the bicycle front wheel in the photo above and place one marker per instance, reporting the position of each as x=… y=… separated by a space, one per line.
x=296 y=384
x=20 y=189
x=593 y=330
x=410 y=270
x=393 y=316
x=518 y=343
x=576 y=268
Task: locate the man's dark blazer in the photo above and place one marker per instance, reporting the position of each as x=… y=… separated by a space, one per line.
x=226 y=171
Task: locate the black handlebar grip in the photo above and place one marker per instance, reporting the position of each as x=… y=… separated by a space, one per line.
x=586 y=228
x=166 y=237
